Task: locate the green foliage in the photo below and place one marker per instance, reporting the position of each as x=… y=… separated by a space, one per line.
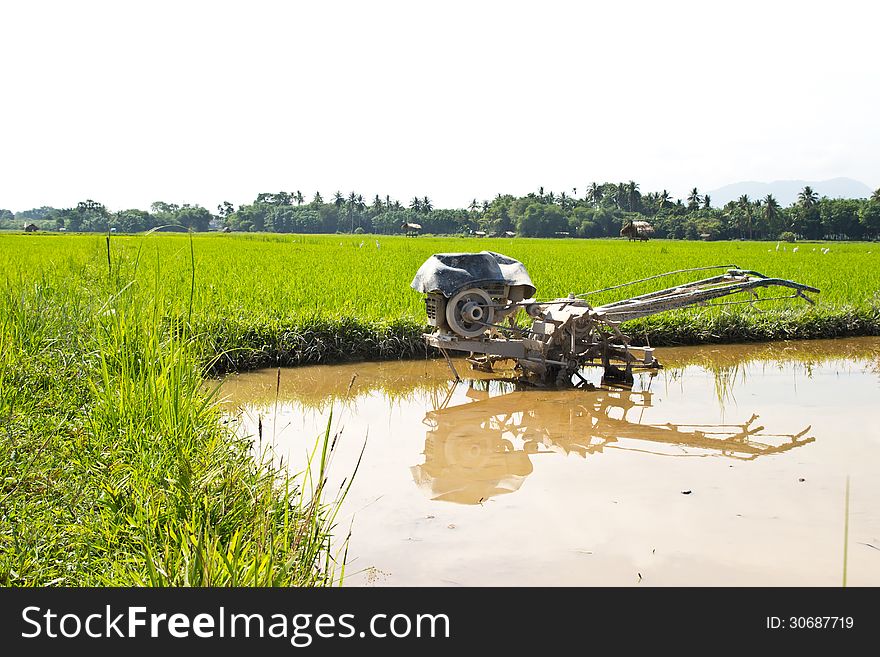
x=390 y=221
x=133 y=221
x=839 y=218
x=599 y=213
x=869 y=218
x=195 y=217
x=116 y=467
x=34 y=214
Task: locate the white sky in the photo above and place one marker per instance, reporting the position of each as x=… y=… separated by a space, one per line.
x=199 y=102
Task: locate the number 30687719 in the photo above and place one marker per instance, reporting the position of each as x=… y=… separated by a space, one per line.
x=810 y=622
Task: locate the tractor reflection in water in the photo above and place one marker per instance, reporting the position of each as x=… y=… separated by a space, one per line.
x=482 y=449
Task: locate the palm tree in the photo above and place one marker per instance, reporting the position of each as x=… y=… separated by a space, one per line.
x=807 y=197
x=759 y=211
x=360 y=204
x=770 y=211
x=612 y=193
x=551 y=197
x=541 y=192
x=300 y=199
x=707 y=202
x=745 y=204
x=693 y=199
x=416 y=204
x=473 y=206
x=876 y=195
x=632 y=195
x=377 y=204
x=427 y=206
x=563 y=200
x=485 y=206
x=621 y=196
x=318 y=199
x=350 y=205
x=594 y=194
x=665 y=199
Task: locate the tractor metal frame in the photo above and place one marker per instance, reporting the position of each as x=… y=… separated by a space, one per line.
x=568 y=334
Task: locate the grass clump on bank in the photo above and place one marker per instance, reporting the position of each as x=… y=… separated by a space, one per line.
x=116 y=467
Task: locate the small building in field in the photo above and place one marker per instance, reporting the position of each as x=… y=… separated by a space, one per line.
x=410 y=229
x=637 y=230
x=30 y=228
x=480 y=233
x=509 y=233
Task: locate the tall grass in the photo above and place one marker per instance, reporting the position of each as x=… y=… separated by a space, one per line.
x=115 y=466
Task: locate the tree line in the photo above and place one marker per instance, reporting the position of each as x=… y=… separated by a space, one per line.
x=600 y=211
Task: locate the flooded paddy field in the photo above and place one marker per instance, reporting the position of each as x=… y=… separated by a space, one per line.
x=728 y=467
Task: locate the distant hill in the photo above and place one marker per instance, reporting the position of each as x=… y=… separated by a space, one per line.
x=786 y=191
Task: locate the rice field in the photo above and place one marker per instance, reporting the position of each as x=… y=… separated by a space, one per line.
x=265 y=299
x=115 y=467
x=368 y=277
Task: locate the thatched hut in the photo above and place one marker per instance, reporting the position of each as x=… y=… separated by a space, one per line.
x=637 y=230
x=30 y=228
x=410 y=228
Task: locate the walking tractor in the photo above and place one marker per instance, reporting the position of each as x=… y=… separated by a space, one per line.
x=473 y=301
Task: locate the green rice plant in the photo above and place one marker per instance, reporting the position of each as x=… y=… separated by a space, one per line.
x=116 y=467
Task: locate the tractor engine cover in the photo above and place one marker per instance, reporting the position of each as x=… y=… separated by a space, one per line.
x=468 y=292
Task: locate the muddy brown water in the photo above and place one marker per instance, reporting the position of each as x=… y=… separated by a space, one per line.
x=726 y=468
